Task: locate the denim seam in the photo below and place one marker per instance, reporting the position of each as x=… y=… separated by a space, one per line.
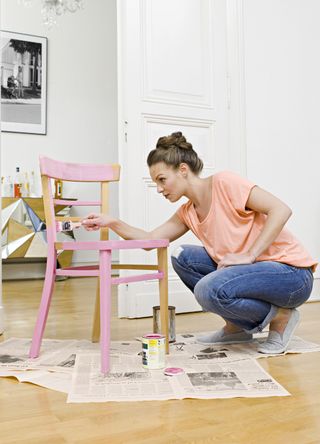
x=306 y=283
x=299 y=289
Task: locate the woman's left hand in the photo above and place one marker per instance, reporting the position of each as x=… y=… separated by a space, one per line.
x=236 y=259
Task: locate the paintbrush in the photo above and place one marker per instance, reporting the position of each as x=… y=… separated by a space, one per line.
x=67 y=225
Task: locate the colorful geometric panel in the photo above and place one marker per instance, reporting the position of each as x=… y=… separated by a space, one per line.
x=65 y=258
x=38 y=246
x=16 y=230
x=24 y=230
x=36 y=205
x=8 y=212
x=10 y=249
x=37 y=223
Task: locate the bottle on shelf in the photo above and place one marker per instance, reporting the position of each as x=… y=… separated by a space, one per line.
x=9 y=187
x=58 y=186
x=32 y=185
x=18 y=183
x=26 y=186
x=6 y=186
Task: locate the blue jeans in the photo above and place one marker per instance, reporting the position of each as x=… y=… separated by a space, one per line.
x=246 y=295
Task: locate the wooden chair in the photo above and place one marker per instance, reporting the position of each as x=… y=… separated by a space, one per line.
x=52 y=169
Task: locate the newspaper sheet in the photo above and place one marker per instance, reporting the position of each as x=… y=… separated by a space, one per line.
x=188 y=343
x=128 y=381
x=58 y=381
x=222 y=366
x=55 y=354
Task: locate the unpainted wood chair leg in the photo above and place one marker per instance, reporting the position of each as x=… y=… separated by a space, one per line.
x=44 y=305
x=163 y=290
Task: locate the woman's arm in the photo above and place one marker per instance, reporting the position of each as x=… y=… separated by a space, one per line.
x=277 y=214
x=172 y=229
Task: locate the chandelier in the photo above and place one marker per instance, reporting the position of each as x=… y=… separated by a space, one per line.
x=52 y=9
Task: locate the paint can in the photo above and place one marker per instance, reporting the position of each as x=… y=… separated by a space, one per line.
x=153 y=351
x=172 y=321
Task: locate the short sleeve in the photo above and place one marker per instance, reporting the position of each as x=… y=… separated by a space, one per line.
x=183 y=213
x=235 y=189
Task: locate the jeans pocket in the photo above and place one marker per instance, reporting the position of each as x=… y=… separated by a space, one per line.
x=302 y=294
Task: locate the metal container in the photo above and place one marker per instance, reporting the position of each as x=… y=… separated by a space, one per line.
x=153 y=351
x=172 y=321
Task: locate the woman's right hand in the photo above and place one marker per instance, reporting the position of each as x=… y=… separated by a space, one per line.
x=95 y=221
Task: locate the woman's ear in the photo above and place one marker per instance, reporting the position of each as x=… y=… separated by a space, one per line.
x=184 y=169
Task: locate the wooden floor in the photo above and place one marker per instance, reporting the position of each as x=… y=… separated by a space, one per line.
x=31 y=414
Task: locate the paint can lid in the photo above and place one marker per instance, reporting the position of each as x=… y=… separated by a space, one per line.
x=172 y=371
x=153 y=336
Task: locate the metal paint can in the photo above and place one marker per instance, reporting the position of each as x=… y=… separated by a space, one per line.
x=172 y=321
x=153 y=351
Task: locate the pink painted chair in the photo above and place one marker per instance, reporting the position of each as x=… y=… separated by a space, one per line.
x=52 y=169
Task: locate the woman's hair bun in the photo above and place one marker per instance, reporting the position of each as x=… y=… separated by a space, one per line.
x=174 y=140
x=174 y=150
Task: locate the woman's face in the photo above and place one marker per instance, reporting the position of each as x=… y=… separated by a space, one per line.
x=170 y=183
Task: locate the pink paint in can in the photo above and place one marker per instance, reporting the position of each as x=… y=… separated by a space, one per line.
x=153 y=351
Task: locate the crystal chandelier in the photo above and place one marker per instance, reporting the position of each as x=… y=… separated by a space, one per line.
x=51 y=9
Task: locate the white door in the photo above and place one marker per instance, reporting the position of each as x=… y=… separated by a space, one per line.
x=172 y=77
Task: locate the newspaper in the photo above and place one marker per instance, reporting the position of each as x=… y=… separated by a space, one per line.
x=187 y=342
x=55 y=354
x=128 y=381
x=58 y=381
x=210 y=371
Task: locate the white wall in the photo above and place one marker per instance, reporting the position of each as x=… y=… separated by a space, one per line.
x=82 y=92
x=1 y=306
x=282 y=72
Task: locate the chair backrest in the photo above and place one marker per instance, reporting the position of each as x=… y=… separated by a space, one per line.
x=74 y=172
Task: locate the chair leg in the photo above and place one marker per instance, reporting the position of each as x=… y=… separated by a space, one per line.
x=96 y=317
x=163 y=290
x=105 y=309
x=44 y=305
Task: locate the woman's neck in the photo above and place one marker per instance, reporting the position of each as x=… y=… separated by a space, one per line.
x=199 y=191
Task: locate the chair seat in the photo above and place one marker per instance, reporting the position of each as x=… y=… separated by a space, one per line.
x=112 y=245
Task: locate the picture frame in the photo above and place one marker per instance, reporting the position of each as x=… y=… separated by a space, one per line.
x=23 y=83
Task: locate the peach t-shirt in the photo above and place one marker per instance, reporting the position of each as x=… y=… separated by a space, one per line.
x=231 y=228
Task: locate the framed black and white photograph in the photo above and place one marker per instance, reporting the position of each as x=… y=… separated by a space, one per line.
x=23 y=83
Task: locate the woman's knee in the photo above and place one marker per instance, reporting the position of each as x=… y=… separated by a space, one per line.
x=180 y=256
x=205 y=294
x=211 y=294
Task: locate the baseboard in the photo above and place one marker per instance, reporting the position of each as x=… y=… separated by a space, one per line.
x=17 y=270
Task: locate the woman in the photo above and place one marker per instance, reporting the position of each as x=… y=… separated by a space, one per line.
x=250 y=270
